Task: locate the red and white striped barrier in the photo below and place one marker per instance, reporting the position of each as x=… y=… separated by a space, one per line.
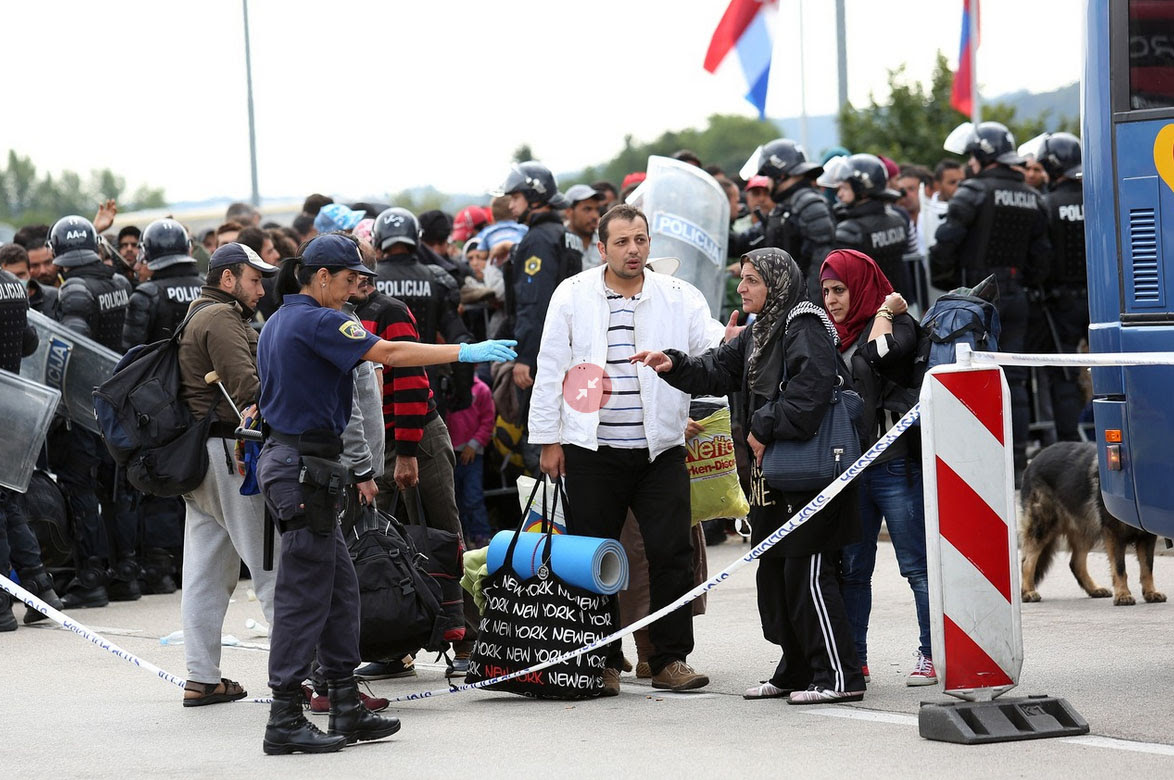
x=972 y=546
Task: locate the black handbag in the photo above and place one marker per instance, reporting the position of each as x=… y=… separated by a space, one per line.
x=796 y=466
x=529 y=621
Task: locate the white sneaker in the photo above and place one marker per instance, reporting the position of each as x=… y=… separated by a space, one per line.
x=923 y=673
x=818 y=695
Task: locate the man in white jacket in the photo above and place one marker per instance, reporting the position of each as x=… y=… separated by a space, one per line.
x=615 y=431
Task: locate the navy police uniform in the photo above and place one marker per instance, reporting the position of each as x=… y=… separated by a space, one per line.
x=304 y=358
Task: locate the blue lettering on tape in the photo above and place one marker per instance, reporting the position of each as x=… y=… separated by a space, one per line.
x=673 y=226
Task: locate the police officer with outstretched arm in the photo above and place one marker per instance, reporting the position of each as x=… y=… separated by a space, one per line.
x=305 y=356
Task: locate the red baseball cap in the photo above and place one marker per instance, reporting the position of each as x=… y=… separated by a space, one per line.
x=759 y=181
x=469 y=221
x=633 y=178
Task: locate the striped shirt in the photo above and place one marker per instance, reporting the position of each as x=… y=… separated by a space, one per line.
x=621 y=418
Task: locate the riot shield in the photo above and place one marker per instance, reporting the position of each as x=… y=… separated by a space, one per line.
x=71 y=363
x=689 y=218
x=27 y=408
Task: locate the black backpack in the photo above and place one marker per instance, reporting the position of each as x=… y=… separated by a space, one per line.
x=399 y=603
x=148 y=430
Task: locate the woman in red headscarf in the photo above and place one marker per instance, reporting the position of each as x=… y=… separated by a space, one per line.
x=878 y=339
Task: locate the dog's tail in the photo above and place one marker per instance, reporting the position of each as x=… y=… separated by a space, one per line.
x=1044 y=562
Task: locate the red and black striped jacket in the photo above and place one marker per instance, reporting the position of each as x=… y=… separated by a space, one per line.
x=407 y=397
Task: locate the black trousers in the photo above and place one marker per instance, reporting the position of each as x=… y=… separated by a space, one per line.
x=601 y=487
x=315 y=608
x=1012 y=308
x=802 y=611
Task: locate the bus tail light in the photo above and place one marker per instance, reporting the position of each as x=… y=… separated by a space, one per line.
x=1112 y=436
x=1113 y=457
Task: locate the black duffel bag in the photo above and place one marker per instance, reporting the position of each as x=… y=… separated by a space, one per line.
x=443 y=553
x=399 y=603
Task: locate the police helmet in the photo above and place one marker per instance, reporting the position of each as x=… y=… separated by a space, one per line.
x=867 y=176
x=1059 y=154
x=74 y=242
x=395 y=226
x=164 y=243
x=535 y=181
x=988 y=142
x=779 y=159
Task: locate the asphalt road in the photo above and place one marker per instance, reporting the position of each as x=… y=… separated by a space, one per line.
x=72 y=709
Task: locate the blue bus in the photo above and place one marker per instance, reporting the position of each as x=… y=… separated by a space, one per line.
x=1128 y=138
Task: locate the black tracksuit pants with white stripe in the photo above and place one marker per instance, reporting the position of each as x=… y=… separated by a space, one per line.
x=801 y=609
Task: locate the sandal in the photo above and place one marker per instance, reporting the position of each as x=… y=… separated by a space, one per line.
x=197 y=694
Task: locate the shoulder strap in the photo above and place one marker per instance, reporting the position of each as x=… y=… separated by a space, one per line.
x=179 y=328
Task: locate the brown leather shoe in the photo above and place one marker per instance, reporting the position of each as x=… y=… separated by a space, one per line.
x=611 y=682
x=679 y=676
x=643 y=671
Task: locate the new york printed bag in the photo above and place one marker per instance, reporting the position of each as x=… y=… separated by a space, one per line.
x=530 y=621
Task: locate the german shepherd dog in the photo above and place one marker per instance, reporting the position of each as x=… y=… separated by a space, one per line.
x=1061 y=497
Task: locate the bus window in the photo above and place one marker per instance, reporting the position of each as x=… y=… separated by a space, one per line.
x=1151 y=54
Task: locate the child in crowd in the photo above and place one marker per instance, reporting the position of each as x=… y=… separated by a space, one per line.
x=471 y=429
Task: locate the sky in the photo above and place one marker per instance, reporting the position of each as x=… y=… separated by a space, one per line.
x=362 y=98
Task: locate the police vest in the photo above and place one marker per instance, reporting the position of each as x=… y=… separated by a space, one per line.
x=176 y=295
x=787 y=223
x=1065 y=206
x=14 y=307
x=421 y=287
x=878 y=231
x=110 y=294
x=1000 y=237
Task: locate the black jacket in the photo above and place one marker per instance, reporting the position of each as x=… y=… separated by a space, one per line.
x=995 y=223
x=159 y=304
x=43 y=299
x=802 y=225
x=884 y=384
x=541 y=260
x=812 y=365
x=93 y=302
x=881 y=232
x=1065 y=207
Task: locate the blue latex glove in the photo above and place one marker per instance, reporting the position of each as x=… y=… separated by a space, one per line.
x=494 y=350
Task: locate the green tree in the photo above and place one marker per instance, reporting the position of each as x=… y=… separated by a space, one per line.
x=523 y=153
x=726 y=142
x=26 y=198
x=912 y=126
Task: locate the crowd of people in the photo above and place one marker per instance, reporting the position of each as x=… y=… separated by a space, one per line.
x=323 y=327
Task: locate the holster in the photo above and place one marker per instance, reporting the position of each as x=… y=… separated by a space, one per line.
x=323 y=484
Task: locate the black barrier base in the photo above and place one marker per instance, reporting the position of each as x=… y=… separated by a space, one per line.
x=1002 y=720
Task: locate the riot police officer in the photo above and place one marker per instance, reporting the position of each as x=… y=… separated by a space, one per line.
x=430 y=293
x=18 y=544
x=304 y=359
x=93 y=302
x=868 y=222
x=156 y=307
x=1065 y=293
x=159 y=304
x=545 y=256
x=995 y=224
x=801 y=221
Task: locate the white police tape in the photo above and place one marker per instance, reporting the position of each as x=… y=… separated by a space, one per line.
x=97 y=639
x=968 y=357
x=85 y=633
x=801 y=517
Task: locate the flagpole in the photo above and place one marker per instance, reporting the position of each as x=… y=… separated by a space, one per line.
x=802 y=82
x=975 y=101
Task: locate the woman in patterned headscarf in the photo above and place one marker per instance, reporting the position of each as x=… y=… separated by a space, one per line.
x=785 y=366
